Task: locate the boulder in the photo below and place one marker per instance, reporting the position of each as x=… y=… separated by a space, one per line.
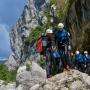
x=12 y=63
x=68 y=80
x=29 y=78
x=2 y=85
x=11 y=86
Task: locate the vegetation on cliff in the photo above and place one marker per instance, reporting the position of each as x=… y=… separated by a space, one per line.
x=80 y=34
x=8 y=76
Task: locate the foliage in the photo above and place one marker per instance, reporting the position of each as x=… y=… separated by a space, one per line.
x=6 y=75
x=35 y=34
x=41 y=63
x=28 y=67
x=61 y=12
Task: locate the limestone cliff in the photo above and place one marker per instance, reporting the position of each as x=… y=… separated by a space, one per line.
x=29 y=20
x=78 y=22
x=75 y=14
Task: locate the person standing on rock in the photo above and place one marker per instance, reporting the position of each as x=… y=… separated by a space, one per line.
x=49 y=34
x=44 y=45
x=62 y=41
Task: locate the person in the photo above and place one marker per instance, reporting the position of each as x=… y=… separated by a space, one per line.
x=52 y=54
x=56 y=57
x=79 y=61
x=87 y=60
x=62 y=41
x=49 y=35
x=87 y=57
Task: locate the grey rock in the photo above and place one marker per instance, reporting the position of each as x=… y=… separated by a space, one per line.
x=64 y=88
x=12 y=63
x=76 y=85
x=28 y=21
x=35 y=87
x=47 y=87
x=22 y=87
x=44 y=20
x=30 y=78
x=2 y=85
x=68 y=80
x=11 y=86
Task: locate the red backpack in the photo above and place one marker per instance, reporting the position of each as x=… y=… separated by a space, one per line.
x=39 y=46
x=42 y=42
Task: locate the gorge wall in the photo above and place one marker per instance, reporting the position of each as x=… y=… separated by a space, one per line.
x=28 y=21
x=77 y=20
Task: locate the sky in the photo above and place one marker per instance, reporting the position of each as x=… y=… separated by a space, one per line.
x=10 y=11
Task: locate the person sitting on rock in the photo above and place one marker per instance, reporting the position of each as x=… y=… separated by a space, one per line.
x=87 y=60
x=79 y=61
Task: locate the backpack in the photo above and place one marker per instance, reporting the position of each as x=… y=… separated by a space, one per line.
x=56 y=54
x=41 y=43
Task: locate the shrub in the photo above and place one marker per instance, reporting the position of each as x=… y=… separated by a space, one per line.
x=41 y=63
x=6 y=75
x=28 y=67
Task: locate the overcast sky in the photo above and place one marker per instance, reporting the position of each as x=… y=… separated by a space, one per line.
x=10 y=11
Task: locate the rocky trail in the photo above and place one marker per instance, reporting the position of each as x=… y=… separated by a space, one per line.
x=35 y=79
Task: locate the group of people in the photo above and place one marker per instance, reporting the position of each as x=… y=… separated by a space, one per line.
x=81 y=61
x=56 y=50
x=55 y=47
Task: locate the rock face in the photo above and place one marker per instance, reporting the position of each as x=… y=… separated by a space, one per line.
x=29 y=20
x=9 y=86
x=73 y=80
x=78 y=22
x=68 y=80
x=27 y=79
x=11 y=63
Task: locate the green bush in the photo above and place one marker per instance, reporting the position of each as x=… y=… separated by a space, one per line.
x=41 y=63
x=28 y=67
x=8 y=76
x=35 y=34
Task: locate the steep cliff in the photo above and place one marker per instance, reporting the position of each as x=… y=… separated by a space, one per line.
x=29 y=20
x=75 y=14
x=78 y=22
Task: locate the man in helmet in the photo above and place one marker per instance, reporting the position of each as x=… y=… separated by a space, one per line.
x=62 y=41
x=55 y=54
x=49 y=35
x=87 y=59
x=79 y=61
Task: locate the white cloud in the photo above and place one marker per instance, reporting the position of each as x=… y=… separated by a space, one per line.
x=4 y=41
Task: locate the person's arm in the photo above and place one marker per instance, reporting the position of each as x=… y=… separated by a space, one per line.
x=68 y=41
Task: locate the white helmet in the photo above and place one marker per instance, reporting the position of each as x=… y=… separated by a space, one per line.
x=49 y=31
x=60 y=25
x=77 y=52
x=85 y=52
